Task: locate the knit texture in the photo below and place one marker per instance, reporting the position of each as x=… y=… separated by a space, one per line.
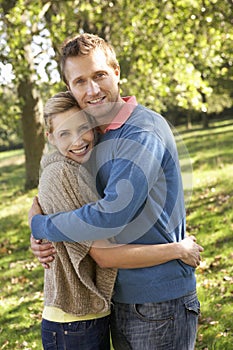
x=74 y=282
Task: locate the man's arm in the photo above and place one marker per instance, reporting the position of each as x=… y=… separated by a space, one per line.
x=130 y=256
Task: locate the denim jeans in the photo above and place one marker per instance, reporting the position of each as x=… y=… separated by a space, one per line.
x=170 y=325
x=81 y=335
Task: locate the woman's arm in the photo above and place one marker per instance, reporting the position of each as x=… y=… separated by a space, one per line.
x=138 y=256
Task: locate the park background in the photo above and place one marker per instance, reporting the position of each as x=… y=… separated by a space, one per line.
x=177 y=58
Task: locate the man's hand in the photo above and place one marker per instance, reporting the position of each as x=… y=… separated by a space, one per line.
x=35 y=209
x=44 y=251
x=191 y=251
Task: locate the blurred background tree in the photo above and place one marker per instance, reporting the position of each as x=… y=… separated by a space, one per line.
x=175 y=56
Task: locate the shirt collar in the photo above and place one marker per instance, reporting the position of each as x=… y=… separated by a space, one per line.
x=123 y=114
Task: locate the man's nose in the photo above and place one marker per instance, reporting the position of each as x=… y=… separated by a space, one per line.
x=92 y=88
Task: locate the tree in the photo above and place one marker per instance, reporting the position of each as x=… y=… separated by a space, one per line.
x=179 y=54
x=10 y=128
x=19 y=28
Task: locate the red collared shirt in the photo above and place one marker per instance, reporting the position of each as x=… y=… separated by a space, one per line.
x=123 y=114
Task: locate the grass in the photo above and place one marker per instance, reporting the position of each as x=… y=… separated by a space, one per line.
x=210 y=219
x=21 y=277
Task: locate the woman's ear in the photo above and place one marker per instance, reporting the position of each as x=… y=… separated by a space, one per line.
x=50 y=137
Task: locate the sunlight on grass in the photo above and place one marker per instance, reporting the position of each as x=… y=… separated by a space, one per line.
x=21 y=276
x=210 y=218
x=11 y=154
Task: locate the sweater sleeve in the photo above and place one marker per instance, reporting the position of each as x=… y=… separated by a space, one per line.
x=60 y=188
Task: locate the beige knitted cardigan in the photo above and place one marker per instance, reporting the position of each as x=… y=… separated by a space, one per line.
x=74 y=282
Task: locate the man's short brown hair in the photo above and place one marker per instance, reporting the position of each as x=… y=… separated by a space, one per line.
x=82 y=45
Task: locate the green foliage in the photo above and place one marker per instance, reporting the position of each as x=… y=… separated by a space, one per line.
x=10 y=128
x=176 y=48
x=173 y=55
x=210 y=219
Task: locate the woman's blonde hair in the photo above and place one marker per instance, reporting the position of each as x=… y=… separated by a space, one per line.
x=59 y=103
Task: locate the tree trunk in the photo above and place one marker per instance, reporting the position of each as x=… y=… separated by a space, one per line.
x=205 y=119
x=189 y=120
x=28 y=94
x=33 y=134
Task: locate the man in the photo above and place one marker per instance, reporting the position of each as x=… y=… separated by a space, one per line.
x=139 y=182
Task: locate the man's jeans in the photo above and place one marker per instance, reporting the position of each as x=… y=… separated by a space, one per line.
x=88 y=335
x=170 y=325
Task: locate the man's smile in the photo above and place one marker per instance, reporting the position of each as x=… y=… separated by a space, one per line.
x=97 y=100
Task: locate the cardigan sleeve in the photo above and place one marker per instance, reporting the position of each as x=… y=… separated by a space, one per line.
x=64 y=187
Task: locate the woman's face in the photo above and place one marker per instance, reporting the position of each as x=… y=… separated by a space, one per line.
x=72 y=134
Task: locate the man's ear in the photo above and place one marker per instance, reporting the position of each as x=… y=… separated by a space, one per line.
x=117 y=70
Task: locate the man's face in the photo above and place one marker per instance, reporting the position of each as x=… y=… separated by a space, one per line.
x=94 y=84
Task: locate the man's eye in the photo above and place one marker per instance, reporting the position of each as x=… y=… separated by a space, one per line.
x=100 y=75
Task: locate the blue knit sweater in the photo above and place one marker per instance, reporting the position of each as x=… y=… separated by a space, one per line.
x=141 y=201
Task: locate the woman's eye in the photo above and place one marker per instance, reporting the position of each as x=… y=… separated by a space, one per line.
x=63 y=134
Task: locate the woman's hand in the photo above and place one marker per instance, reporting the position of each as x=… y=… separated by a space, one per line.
x=44 y=251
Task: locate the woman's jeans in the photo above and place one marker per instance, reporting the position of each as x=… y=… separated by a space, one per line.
x=81 y=335
x=170 y=325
